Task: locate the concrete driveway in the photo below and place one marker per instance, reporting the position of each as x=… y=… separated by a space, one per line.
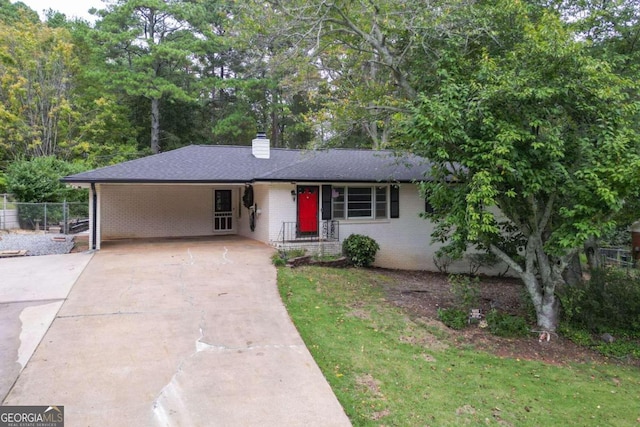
x=32 y=291
x=185 y=332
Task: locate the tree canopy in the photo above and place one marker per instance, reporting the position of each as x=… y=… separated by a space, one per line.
x=527 y=130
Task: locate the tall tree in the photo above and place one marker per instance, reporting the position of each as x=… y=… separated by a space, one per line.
x=17 y=12
x=613 y=31
x=374 y=56
x=272 y=87
x=104 y=132
x=527 y=131
x=37 y=64
x=150 y=46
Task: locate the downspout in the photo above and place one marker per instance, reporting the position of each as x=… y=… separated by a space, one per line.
x=94 y=231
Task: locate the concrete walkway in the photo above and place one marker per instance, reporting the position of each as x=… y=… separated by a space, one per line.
x=186 y=332
x=32 y=290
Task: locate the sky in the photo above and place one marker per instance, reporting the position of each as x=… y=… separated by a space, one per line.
x=71 y=8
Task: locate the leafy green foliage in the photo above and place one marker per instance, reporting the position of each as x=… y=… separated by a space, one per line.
x=278 y=260
x=38 y=180
x=454 y=317
x=577 y=335
x=37 y=111
x=3 y=183
x=360 y=250
x=14 y=12
x=466 y=291
x=608 y=301
x=530 y=128
x=506 y=325
x=151 y=51
x=621 y=348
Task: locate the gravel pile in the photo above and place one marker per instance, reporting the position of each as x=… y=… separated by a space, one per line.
x=36 y=244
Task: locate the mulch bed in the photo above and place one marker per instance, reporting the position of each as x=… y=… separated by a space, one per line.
x=422 y=293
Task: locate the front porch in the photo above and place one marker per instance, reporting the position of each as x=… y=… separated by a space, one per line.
x=324 y=241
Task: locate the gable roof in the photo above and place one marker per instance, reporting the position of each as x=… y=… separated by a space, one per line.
x=226 y=164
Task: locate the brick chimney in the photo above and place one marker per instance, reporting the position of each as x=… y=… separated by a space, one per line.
x=260 y=147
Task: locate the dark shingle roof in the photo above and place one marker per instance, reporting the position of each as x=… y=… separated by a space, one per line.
x=220 y=164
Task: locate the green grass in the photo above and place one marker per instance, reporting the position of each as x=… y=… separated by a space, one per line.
x=387 y=369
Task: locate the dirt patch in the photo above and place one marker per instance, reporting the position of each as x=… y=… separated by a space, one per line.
x=369 y=383
x=421 y=294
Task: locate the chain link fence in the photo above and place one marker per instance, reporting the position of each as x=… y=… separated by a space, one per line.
x=66 y=217
x=617 y=257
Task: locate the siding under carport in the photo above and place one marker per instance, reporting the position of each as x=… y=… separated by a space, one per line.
x=150 y=210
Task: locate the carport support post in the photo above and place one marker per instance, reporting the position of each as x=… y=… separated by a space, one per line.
x=94 y=220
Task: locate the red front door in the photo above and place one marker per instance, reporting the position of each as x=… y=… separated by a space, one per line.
x=308 y=210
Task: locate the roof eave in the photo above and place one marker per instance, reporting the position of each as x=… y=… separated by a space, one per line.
x=153 y=181
x=345 y=180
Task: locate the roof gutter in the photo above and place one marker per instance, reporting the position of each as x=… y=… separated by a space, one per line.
x=153 y=181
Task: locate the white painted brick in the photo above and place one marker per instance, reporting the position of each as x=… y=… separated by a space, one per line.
x=135 y=211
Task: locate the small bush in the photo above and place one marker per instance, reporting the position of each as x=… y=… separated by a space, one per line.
x=506 y=325
x=620 y=349
x=465 y=290
x=278 y=260
x=480 y=260
x=453 y=317
x=38 y=180
x=610 y=300
x=360 y=250
x=578 y=336
x=623 y=347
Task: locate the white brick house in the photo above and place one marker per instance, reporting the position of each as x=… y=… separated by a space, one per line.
x=307 y=198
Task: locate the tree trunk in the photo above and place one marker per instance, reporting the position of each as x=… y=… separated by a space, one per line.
x=540 y=277
x=573 y=274
x=155 y=125
x=591 y=249
x=275 y=129
x=549 y=314
x=544 y=301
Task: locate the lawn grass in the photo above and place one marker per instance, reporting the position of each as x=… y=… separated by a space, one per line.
x=387 y=369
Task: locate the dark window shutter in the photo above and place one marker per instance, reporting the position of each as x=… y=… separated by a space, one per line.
x=326 y=202
x=427 y=206
x=395 y=201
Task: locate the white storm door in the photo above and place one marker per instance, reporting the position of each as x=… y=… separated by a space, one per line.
x=223 y=210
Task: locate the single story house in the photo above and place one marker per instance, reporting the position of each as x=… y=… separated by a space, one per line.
x=312 y=199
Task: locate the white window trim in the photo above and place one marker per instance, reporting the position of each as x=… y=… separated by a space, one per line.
x=373 y=207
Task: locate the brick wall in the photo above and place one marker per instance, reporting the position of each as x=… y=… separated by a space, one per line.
x=404 y=241
x=129 y=211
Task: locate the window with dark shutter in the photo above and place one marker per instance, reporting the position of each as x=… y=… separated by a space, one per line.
x=326 y=202
x=394 y=197
x=428 y=208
